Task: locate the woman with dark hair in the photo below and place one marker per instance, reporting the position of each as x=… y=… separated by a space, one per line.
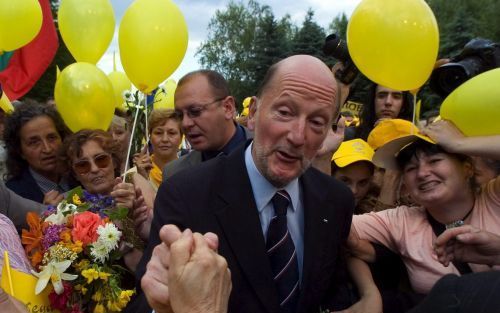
x=33 y=135
x=439 y=176
x=383 y=103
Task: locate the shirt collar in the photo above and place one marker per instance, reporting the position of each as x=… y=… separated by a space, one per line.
x=238 y=137
x=263 y=190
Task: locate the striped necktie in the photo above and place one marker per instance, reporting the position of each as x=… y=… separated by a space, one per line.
x=282 y=254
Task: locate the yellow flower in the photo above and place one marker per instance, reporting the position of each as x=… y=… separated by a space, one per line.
x=99 y=308
x=125 y=295
x=91 y=274
x=104 y=276
x=114 y=306
x=76 y=199
x=97 y=296
x=81 y=288
x=83 y=264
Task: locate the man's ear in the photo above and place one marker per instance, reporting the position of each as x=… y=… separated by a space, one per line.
x=229 y=106
x=252 y=110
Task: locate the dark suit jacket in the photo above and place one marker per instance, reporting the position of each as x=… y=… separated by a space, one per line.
x=221 y=201
x=26 y=186
x=189 y=160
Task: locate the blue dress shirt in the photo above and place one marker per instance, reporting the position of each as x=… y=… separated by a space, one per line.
x=263 y=192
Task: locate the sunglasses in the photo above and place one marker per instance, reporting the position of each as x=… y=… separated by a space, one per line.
x=84 y=166
x=195 y=111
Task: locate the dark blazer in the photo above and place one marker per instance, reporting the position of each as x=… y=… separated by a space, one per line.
x=26 y=186
x=189 y=160
x=221 y=201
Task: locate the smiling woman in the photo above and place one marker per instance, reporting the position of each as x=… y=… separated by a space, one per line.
x=439 y=175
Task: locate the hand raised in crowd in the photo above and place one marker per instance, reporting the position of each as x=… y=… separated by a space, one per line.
x=468 y=244
x=333 y=139
x=142 y=161
x=329 y=146
x=343 y=88
x=123 y=194
x=445 y=133
x=142 y=215
x=155 y=283
x=53 y=197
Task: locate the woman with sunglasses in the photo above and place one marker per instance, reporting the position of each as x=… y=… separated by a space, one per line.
x=439 y=176
x=94 y=159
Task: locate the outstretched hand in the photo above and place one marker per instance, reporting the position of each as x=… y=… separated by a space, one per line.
x=468 y=244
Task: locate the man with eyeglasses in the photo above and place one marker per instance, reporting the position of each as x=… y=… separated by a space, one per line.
x=207 y=110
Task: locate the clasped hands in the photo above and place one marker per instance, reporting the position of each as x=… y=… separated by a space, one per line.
x=185 y=274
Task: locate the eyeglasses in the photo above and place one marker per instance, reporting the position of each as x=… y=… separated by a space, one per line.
x=84 y=166
x=195 y=111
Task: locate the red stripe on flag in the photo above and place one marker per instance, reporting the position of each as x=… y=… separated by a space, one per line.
x=30 y=62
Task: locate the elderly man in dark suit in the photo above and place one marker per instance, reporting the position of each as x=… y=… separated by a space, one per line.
x=280 y=223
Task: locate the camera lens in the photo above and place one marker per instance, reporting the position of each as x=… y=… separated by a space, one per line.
x=448 y=78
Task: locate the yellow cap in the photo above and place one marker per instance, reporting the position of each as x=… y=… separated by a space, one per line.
x=390 y=129
x=389 y=137
x=352 y=151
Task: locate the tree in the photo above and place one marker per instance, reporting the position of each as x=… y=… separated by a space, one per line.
x=242 y=42
x=339 y=26
x=309 y=38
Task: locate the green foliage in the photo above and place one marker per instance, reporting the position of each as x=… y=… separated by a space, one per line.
x=339 y=26
x=310 y=38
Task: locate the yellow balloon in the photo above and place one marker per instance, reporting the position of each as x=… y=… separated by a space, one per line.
x=164 y=97
x=474 y=107
x=394 y=42
x=153 y=39
x=87 y=27
x=120 y=83
x=20 y=22
x=84 y=97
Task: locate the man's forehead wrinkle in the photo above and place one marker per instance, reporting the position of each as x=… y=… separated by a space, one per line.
x=294 y=83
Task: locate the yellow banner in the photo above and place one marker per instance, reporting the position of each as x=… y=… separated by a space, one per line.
x=22 y=287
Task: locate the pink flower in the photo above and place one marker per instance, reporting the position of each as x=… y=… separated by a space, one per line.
x=85 y=227
x=59 y=302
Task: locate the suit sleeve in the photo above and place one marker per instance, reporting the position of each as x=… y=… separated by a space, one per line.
x=169 y=208
x=16 y=207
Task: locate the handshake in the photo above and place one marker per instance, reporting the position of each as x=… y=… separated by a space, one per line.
x=185 y=274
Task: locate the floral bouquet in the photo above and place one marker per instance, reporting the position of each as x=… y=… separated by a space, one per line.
x=77 y=246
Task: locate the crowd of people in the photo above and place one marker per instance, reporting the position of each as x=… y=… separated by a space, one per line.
x=284 y=213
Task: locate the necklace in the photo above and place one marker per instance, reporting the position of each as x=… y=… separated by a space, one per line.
x=460 y=222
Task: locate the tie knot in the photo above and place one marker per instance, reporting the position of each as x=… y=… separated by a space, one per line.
x=280 y=200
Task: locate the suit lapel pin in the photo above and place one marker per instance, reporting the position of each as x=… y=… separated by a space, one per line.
x=325 y=221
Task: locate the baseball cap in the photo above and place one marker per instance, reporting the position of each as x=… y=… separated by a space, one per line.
x=352 y=151
x=390 y=129
x=385 y=156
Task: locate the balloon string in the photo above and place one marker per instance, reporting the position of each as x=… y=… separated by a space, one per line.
x=146 y=118
x=131 y=139
x=414 y=111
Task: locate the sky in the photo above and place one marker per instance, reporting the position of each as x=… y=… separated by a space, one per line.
x=199 y=12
